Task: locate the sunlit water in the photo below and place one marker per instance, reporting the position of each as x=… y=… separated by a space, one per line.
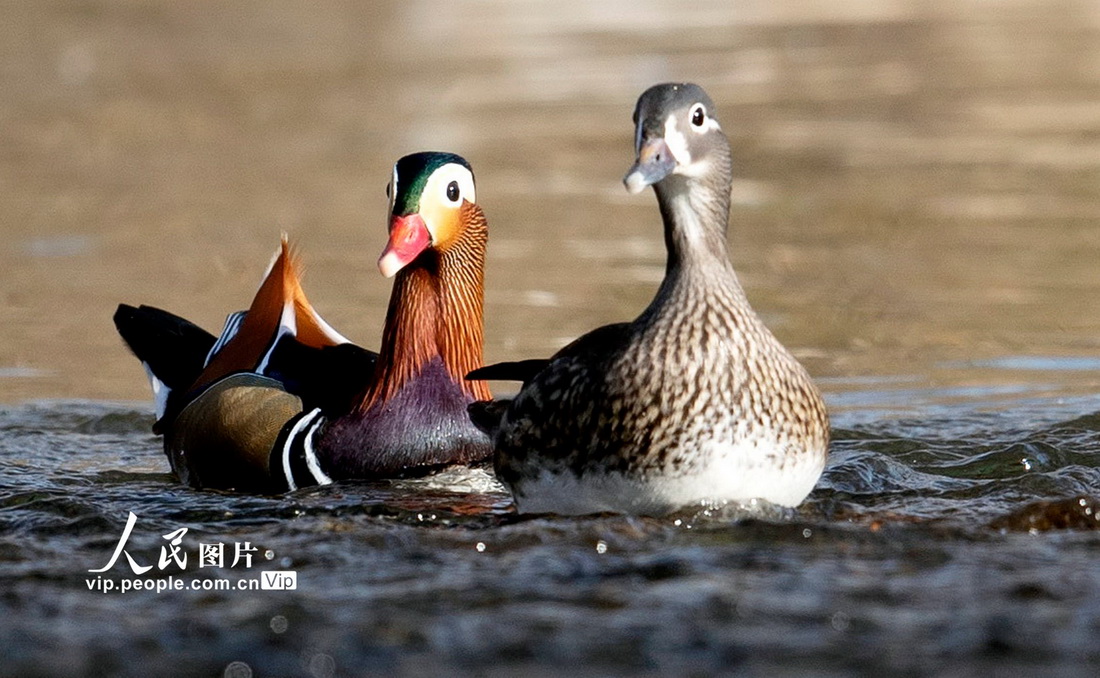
x=915 y=215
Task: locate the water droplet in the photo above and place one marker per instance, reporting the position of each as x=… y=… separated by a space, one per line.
x=601 y=547
x=678 y=522
x=269 y=554
x=1026 y=463
x=420 y=517
x=807 y=533
x=480 y=547
x=322 y=666
x=279 y=624
x=840 y=621
x=237 y=670
x=285 y=562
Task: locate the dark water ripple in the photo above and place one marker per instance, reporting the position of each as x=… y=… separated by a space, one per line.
x=925 y=549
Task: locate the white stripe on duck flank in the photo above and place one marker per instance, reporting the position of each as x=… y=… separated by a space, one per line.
x=312 y=463
x=304 y=430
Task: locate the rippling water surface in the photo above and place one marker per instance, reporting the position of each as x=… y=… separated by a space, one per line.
x=924 y=550
x=916 y=215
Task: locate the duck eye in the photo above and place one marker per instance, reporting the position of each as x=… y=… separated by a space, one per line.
x=452 y=191
x=698 y=115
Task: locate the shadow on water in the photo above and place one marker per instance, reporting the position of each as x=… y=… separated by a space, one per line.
x=924 y=546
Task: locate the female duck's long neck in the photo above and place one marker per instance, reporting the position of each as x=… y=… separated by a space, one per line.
x=695 y=211
x=435 y=312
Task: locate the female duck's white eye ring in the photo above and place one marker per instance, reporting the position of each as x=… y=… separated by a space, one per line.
x=698 y=115
x=453 y=194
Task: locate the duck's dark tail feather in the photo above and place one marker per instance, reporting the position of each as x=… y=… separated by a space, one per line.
x=521 y=370
x=486 y=414
x=172 y=348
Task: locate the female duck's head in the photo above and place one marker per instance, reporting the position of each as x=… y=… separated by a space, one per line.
x=676 y=135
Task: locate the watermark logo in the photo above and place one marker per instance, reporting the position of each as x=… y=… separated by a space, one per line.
x=174 y=556
x=279 y=581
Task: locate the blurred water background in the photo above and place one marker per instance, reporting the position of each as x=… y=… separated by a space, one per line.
x=915 y=216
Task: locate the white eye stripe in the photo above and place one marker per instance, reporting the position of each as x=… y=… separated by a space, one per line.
x=436 y=208
x=436 y=187
x=393 y=188
x=677 y=142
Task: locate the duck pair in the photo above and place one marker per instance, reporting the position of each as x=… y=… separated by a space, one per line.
x=694 y=401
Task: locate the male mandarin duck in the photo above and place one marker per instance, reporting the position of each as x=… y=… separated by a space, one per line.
x=693 y=402
x=282 y=401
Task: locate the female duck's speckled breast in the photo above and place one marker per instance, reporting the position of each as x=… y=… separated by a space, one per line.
x=707 y=392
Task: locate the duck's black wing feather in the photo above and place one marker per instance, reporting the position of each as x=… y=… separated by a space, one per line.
x=520 y=370
x=597 y=345
x=330 y=377
x=598 y=342
x=593 y=348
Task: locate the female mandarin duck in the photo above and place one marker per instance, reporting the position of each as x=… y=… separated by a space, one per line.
x=282 y=400
x=695 y=400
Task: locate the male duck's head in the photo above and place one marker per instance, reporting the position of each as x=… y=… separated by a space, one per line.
x=436 y=250
x=676 y=134
x=430 y=195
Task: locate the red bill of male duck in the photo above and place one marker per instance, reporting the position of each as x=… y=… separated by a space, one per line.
x=281 y=400
x=695 y=401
